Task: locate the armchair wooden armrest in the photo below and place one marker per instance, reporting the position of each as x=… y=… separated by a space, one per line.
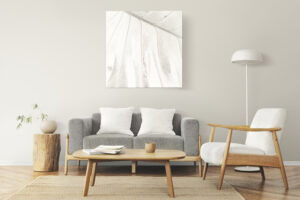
x=238 y=128
x=243 y=128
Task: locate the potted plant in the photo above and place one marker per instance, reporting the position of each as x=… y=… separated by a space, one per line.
x=47 y=126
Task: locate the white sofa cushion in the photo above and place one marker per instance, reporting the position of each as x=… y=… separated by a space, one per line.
x=212 y=152
x=157 y=121
x=116 y=120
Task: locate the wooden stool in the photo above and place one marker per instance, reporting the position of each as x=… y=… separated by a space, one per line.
x=46 y=150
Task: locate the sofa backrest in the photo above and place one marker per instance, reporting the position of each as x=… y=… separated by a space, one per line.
x=136 y=123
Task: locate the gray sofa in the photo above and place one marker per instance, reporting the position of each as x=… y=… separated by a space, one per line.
x=83 y=135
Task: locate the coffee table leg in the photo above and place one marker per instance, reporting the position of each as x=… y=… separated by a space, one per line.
x=169 y=179
x=93 y=175
x=87 y=178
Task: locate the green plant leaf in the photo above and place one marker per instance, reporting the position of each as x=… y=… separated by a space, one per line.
x=35 y=106
x=29 y=119
x=19 y=125
x=22 y=118
x=44 y=116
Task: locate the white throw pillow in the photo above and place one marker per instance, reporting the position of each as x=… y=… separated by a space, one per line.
x=116 y=120
x=158 y=121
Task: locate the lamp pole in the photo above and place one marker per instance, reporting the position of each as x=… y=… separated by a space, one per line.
x=247 y=109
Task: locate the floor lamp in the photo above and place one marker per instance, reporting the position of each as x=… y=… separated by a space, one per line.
x=247 y=57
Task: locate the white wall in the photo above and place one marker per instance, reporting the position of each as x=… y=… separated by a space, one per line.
x=53 y=53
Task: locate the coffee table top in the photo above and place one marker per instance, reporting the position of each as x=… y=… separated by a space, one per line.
x=134 y=154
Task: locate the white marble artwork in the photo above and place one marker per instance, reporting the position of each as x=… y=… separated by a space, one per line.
x=143 y=49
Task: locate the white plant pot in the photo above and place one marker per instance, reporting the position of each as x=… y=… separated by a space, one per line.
x=48 y=126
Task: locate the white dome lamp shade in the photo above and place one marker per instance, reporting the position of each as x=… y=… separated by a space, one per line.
x=247 y=57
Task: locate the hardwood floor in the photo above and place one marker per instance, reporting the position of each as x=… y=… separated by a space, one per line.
x=250 y=185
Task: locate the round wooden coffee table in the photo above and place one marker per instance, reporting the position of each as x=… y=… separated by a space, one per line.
x=160 y=155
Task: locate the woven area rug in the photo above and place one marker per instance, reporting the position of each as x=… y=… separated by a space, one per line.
x=124 y=187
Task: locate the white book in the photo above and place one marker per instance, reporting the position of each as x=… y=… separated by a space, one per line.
x=110 y=147
x=99 y=151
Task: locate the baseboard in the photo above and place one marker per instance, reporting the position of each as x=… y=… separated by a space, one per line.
x=5 y=163
x=291 y=163
x=8 y=163
x=286 y=163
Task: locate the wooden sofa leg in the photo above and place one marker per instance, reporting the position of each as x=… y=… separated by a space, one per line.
x=78 y=163
x=200 y=168
x=66 y=166
x=133 y=167
x=67 y=154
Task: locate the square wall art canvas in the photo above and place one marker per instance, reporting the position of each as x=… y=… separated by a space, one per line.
x=143 y=49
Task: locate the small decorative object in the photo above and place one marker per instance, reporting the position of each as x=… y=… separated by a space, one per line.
x=47 y=126
x=143 y=49
x=150 y=147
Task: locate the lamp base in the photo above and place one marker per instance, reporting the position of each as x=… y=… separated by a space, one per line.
x=247 y=169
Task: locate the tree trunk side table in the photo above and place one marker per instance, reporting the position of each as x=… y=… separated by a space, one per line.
x=46 y=150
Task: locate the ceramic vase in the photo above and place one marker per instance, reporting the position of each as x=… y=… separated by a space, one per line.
x=48 y=126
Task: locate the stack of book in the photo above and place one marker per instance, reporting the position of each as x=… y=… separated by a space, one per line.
x=105 y=149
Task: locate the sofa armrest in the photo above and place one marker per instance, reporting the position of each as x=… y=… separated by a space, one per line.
x=190 y=134
x=78 y=129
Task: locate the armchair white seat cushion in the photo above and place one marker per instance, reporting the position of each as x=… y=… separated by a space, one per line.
x=212 y=152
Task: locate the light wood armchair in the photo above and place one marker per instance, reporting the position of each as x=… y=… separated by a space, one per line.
x=234 y=154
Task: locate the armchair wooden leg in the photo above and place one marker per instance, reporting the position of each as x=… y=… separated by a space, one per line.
x=262 y=173
x=78 y=163
x=221 y=177
x=225 y=156
x=282 y=169
x=205 y=170
x=133 y=167
x=284 y=178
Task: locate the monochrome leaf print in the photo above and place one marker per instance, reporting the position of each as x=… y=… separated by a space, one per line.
x=144 y=49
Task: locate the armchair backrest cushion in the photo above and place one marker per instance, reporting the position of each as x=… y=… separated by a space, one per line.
x=136 y=123
x=266 y=118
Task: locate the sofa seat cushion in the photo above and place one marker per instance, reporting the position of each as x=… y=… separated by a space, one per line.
x=212 y=152
x=162 y=141
x=92 y=141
